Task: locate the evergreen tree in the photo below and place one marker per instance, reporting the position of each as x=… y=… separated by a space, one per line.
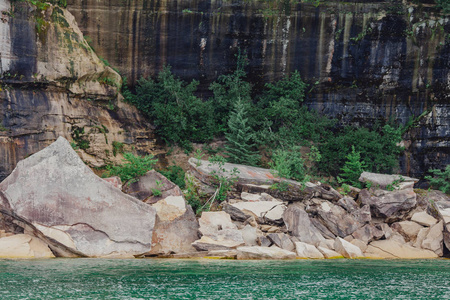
x=239 y=137
x=353 y=168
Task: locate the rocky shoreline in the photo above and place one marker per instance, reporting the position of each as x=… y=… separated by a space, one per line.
x=53 y=205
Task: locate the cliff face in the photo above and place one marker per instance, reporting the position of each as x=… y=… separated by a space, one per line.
x=53 y=84
x=367 y=61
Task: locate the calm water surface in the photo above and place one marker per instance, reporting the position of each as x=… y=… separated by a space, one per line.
x=224 y=279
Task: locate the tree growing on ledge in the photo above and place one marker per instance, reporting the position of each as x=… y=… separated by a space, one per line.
x=240 y=136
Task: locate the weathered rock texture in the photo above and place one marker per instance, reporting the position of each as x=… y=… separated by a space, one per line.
x=65 y=201
x=53 y=84
x=373 y=60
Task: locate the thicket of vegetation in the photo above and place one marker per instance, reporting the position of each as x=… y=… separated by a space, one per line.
x=272 y=122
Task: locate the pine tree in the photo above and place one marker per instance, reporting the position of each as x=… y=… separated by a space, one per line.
x=353 y=168
x=240 y=136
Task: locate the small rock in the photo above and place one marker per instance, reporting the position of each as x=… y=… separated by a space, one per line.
x=249 y=235
x=257 y=252
x=348 y=204
x=421 y=236
x=235 y=213
x=327 y=243
x=407 y=229
x=423 y=219
x=282 y=241
x=368 y=233
x=250 y=197
x=347 y=249
x=268 y=211
x=270 y=229
x=264 y=241
x=305 y=250
x=435 y=239
x=327 y=253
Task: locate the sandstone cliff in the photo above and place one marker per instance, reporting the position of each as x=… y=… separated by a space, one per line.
x=53 y=84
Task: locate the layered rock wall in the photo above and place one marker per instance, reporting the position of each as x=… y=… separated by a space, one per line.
x=367 y=61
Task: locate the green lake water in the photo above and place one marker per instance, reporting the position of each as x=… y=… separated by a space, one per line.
x=224 y=279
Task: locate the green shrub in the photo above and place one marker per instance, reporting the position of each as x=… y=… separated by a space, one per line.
x=180 y=117
x=175 y=174
x=440 y=179
x=378 y=149
x=289 y=164
x=132 y=168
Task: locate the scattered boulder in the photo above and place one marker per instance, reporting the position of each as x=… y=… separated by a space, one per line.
x=250 y=197
x=347 y=249
x=383 y=180
x=423 y=219
x=144 y=189
x=395 y=249
x=391 y=206
x=218 y=232
x=305 y=250
x=23 y=246
x=253 y=178
x=250 y=235
x=176 y=226
x=235 y=213
x=435 y=239
x=266 y=211
x=407 y=229
x=299 y=225
x=57 y=193
x=368 y=233
x=335 y=218
x=327 y=253
x=348 y=204
x=264 y=241
x=257 y=252
x=421 y=236
x=282 y=241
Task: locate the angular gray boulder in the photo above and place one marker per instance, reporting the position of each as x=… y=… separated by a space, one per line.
x=299 y=225
x=66 y=202
x=382 y=181
x=391 y=206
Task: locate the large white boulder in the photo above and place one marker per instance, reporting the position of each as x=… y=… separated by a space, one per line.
x=58 y=194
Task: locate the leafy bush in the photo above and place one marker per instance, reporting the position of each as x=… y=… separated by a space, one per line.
x=132 y=168
x=180 y=117
x=440 y=179
x=289 y=164
x=444 y=5
x=175 y=174
x=378 y=149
